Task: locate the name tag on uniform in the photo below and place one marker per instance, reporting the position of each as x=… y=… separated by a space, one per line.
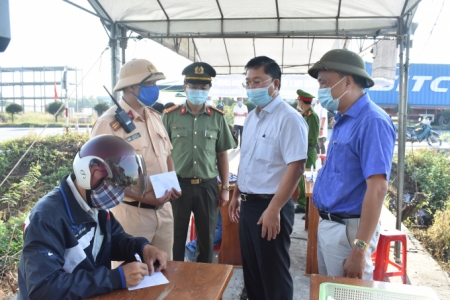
x=133 y=137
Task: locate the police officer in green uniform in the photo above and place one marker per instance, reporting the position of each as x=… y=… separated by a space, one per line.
x=304 y=105
x=200 y=137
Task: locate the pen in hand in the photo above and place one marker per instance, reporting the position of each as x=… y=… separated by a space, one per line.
x=138 y=258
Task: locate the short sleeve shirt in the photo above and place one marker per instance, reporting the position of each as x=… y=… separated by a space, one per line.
x=273 y=138
x=197 y=140
x=362 y=145
x=239 y=120
x=322 y=113
x=149 y=139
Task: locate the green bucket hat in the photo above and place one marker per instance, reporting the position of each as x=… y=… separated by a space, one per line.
x=342 y=60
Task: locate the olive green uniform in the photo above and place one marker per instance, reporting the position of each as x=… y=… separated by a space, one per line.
x=196 y=141
x=313 y=134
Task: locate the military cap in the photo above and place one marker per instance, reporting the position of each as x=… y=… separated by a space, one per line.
x=342 y=60
x=137 y=71
x=198 y=73
x=304 y=96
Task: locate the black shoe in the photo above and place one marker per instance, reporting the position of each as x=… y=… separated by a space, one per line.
x=299 y=210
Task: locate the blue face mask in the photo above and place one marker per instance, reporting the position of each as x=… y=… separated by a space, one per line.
x=326 y=99
x=197 y=97
x=239 y=102
x=260 y=97
x=147 y=94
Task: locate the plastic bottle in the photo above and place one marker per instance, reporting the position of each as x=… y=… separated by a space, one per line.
x=318 y=163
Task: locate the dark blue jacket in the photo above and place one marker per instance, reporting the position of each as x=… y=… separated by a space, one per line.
x=57 y=261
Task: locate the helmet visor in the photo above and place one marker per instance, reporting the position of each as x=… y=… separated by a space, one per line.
x=128 y=172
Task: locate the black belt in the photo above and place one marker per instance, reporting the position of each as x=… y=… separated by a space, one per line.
x=194 y=180
x=143 y=205
x=311 y=147
x=338 y=218
x=256 y=197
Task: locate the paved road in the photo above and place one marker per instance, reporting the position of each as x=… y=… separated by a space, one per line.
x=7 y=133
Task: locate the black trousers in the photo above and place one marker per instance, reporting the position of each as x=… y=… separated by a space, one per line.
x=321 y=146
x=202 y=199
x=238 y=131
x=266 y=263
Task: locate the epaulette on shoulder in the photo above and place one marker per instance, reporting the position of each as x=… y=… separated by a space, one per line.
x=154 y=110
x=218 y=110
x=171 y=109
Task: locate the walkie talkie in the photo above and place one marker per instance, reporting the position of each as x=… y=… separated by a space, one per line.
x=122 y=117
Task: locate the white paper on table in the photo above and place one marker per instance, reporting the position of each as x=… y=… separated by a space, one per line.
x=157 y=278
x=163 y=182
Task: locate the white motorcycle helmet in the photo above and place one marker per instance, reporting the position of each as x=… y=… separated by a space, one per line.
x=110 y=158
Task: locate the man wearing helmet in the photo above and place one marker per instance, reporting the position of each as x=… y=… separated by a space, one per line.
x=145 y=216
x=70 y=237
x=351 y=186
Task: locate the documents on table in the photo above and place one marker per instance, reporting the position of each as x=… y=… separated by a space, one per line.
x=157 y=278
x=164 y=182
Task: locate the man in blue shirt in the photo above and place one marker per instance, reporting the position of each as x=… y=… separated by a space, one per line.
x=352 y=184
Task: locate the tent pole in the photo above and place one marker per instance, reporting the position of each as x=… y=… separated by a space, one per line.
x=114 y=55
x=401 y=135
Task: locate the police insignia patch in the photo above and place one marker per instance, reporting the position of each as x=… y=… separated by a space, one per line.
x=133 y=137
x=115 y=125
x=199 y=70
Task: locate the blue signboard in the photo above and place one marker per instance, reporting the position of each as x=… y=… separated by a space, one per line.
x=429 y=87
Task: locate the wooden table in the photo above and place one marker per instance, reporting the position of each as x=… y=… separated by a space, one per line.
x=316 y=280
x=230 y=249
x=311 y=224
x=186 y=281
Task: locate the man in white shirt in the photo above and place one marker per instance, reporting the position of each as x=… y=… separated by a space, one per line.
x=240 y=112
x=323 y=128
x=271 y=164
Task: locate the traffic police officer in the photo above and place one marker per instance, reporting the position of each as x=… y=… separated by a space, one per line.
x=200 y=135
x=311 y=118
x=148 y=217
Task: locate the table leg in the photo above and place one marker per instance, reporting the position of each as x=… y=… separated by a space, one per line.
x=311 y=252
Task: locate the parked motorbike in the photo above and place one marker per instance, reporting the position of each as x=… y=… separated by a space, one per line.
x=422 y=132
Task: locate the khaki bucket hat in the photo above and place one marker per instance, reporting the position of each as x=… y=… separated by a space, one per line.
x=342 y=60
x=137 y=71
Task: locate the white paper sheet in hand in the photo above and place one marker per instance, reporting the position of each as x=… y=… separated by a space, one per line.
x=163 y=182
x=157 y=278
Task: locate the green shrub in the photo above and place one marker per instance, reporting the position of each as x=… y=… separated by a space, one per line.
x=431 y=170
x=11 y=240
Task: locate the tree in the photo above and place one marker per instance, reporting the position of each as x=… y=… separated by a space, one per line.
x=13 y=109
x=101 y=107
x=53 y=107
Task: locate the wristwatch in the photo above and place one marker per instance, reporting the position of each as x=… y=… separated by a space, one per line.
x=360 y=245
x=321 y=128
x=226 y=187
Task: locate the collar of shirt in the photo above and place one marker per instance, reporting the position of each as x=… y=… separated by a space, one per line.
x=269 y=108
x=80 y=200
x=355 y=109
x=203 y=111
x=127 y=108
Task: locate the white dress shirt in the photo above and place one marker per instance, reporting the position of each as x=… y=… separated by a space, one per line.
x=322 y=113
x=273 y=137
x=240 y=120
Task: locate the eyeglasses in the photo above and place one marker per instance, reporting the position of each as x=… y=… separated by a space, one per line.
x=204 y=87
x=255 y=84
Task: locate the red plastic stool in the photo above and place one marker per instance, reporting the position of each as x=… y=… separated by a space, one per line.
x=381 y=256
x=323 y=158
x=193 y=234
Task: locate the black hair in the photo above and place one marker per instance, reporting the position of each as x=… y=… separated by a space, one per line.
x=158 y=107
x=271 y=68
x=193 y=81
x=168 y=104
x=360 y=81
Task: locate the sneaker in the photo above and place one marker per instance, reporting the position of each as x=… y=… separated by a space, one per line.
x=189 y=255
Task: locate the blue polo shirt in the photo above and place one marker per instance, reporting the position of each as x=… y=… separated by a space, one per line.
x=362 y=145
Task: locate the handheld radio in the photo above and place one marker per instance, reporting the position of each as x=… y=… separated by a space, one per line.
x=122 y=117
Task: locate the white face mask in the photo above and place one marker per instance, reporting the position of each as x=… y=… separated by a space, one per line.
x=326 y=99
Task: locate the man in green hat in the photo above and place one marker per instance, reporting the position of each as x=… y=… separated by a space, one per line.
x=200 y=135
x=311 y=118
x=351 y=186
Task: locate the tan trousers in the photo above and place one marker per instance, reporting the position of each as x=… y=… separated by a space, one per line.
x=154 y=225
x=334 y=244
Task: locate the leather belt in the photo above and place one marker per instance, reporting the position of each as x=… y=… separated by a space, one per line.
x=255 y=197
x=194 y=180
x=142 y=205
x=338 y=218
